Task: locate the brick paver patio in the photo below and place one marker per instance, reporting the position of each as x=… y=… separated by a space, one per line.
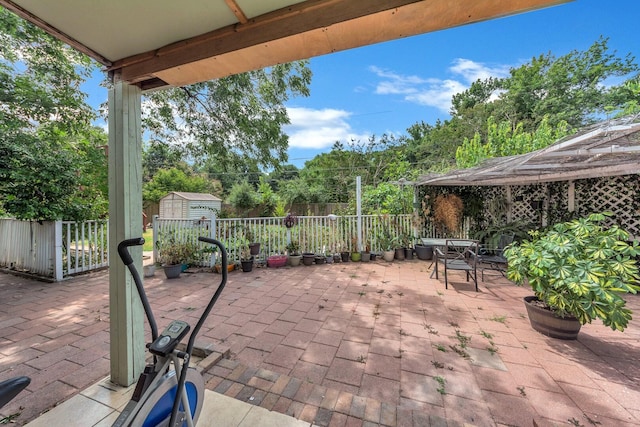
x=348 y=344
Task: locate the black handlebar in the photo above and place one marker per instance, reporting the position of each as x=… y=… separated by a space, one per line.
x=123 y=250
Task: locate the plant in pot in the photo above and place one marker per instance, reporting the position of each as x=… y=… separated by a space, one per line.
x=173 y=255
x=356 y=255
x=578 y=271
x=254 y=247
x=246 y=259
x=293 y=249
x=387 y=242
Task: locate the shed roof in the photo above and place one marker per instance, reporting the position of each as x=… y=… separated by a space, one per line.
x=607 y=148
x=195 y=196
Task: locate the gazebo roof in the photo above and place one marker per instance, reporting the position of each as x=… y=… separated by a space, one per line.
x=167 y=42
x=607 y=148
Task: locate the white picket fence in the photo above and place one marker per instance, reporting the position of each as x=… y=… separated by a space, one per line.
x=57 y=249
x=318 y=234
x=53 y=249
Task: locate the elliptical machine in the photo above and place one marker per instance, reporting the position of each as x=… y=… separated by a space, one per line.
x=168 y=392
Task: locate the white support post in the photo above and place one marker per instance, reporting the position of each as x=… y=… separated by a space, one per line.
x=58 y=272
x=125 y=216
x=359 y=211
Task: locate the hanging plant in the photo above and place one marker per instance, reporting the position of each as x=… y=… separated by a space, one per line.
x=290 y=220
x=448 y=212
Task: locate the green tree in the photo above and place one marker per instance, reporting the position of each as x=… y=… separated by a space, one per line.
x=175 y=179
x=243 y=196
x=503 y=140
x=52 y=166
x=235 y=121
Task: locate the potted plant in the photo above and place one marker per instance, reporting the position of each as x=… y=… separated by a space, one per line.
x=386 y=240
x=246 y=259
x=293 y=249
x=254 y=247
x=173 y=255
x=578 y=271
x=308 y=258
x=356 y=255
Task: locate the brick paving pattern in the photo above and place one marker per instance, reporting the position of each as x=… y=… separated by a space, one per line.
x=347 y=344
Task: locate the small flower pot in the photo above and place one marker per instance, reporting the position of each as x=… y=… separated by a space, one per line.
x=345 y=256
x=320 y=259
x=408 y=253
x=254 y=248
x=172 y=271
x=247 y=265
x=365 y=256
x=356 y=256
x=388 y=255
x=308 y=258
x=399 y=255
x=294 y=260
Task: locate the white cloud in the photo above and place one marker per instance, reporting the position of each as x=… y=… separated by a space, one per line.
x=435 y=92
x=319 y=129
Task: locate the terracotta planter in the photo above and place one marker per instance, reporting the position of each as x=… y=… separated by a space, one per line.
x=230 y=268
x=548 y=323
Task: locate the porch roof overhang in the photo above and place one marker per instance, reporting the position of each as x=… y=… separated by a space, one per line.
x=170 y=43
x=609 y=148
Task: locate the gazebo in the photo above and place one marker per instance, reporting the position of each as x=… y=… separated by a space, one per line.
x=596 y=169
x=151 y=45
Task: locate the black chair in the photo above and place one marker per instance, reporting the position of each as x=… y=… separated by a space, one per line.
x=458 y=255
x=492 y=258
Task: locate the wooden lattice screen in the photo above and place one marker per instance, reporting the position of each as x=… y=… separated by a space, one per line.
x=548 y=203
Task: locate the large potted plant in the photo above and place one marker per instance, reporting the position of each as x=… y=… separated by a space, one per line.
x=578 y=271
x=173 y=255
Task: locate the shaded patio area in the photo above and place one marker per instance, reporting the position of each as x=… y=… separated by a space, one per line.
x=343 y=344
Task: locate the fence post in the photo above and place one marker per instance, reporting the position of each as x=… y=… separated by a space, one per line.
x=359 y=213
x=58 y=272
x=154 y=238
x=212 y=258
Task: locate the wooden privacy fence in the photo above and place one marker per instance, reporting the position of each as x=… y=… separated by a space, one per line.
x=53 y=249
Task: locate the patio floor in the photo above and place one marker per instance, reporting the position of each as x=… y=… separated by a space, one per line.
x=346 y=344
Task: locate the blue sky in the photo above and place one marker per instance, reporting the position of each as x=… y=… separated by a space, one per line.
x=388 y=87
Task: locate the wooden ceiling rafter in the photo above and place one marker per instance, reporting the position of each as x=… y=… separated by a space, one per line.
x=237 y=11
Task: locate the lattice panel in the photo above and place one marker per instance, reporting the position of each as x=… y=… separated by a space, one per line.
x=620 y=195
x=523 y=208
x=495 y=204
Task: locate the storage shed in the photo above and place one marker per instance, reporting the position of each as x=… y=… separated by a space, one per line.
x=189 y=205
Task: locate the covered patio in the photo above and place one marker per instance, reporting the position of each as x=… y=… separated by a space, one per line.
x=343 y=344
